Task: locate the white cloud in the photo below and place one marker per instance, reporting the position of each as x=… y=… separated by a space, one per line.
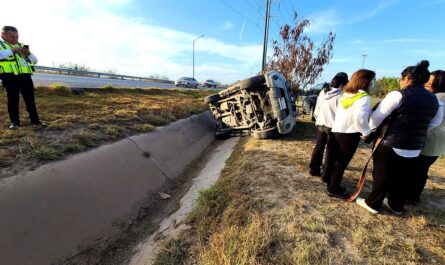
x=324 y=22
x=95 y=34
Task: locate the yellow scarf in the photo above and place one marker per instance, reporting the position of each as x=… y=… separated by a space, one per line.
x=346 y=102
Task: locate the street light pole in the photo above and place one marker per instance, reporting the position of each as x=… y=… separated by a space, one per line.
x=194 y=54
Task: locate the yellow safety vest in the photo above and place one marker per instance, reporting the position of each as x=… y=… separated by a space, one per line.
x=15 y=64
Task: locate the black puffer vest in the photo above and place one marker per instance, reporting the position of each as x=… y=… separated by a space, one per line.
x=408 y=125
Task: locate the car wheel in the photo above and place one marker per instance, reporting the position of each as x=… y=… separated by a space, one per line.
x=212 y=98
x=265 y=134
x=196 y=86
x=312 y=113
x=222 y=134
x=187 y=85
x=252 y=82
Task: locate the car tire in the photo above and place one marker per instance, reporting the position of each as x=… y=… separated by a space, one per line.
x=196 y=86
x=312 y=113
x=222 y=134
x=187 y=85
x=212 y=98
x=265 y=134
x=252 y=82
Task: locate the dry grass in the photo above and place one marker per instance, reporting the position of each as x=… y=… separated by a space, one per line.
x=79 y=122
x=265 y=209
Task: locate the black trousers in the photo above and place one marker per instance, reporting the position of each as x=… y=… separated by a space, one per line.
x=392 y=175
x=340 y=150
x=421 y=168
x=323 y=133
x=14 y=85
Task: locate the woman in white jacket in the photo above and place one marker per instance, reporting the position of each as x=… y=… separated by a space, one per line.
x=351 y=122
x=324 y=114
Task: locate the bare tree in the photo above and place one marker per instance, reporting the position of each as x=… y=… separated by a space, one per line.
x=296 y=56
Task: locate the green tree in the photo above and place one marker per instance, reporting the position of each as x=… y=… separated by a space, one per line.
x=385 y=85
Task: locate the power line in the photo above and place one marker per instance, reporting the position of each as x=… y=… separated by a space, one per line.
x=256 y=8
x=239 y=13
x=287 y=12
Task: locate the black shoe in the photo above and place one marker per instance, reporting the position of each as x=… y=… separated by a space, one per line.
x=13 y=126
x=339 y=193
x=315 y=173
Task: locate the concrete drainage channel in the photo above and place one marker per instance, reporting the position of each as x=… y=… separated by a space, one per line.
x=49 y=213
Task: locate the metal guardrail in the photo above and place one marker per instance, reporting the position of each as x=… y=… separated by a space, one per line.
x=97 y=74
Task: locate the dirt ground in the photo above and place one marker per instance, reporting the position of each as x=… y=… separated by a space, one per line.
x=267 y=209
x=77 y=123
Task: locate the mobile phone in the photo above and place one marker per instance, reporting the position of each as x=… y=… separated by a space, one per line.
x=26 y=46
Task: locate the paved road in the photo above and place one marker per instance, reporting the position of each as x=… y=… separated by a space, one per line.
x=92 y=82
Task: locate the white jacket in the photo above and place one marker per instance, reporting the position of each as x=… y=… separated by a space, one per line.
x=354 y=118
x=326 y=106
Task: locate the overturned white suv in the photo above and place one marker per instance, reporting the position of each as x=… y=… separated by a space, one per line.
x=263 y=106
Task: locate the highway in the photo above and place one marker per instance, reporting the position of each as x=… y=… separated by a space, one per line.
x=41 y=79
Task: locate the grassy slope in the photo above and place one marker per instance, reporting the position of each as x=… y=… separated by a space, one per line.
x=265 y=209
x=80 y=122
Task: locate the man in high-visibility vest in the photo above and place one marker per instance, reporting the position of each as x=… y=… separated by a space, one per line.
x=16 y=67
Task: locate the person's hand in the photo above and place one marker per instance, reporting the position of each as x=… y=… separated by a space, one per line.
x=25 y=51
x=16 y=50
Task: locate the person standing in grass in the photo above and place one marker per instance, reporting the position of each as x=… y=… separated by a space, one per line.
x=16 y=62
x=324 y=114
x=412 y=110
x=351 y=122
x=434 y=144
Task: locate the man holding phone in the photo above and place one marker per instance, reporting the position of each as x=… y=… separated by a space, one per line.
x=16 y=67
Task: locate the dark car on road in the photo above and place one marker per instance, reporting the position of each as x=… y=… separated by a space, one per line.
x=263 y=106
x=310 y=98
x=209 y=83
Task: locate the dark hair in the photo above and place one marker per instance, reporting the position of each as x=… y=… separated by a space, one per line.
x=360 y=80
x=339 y=79
x=438 y=84
x=418 y=74
x=9 y=28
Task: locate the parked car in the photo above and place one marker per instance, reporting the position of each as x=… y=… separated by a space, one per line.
x=187 y=82
x=209 y=83
x=263 y=106
x=310 y=99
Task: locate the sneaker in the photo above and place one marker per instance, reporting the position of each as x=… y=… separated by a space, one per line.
x=361 y=201
x=339 y=193
x=315 y=173
x=13 y=126
x=386 y=204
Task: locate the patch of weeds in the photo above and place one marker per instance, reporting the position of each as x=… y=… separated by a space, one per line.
x=143 y=127
x=87 y=139
x=73 y=147
x=174 y=251
x=59 y=90
x=113 y=130
x=157 y=120
x=46 y=153
x=35 y=149
x=62 y=125
x=6 y=158
x=107 y=88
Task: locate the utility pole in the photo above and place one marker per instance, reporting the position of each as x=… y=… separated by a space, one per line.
x=266 y=34
x=194 y=54
x=363 y=63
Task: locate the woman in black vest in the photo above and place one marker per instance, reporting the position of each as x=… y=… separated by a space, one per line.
x=435 y=140
x=412 y=110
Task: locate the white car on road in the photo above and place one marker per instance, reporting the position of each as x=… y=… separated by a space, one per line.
x=187 y=82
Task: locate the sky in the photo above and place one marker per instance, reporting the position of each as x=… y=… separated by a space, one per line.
x=155 y=37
